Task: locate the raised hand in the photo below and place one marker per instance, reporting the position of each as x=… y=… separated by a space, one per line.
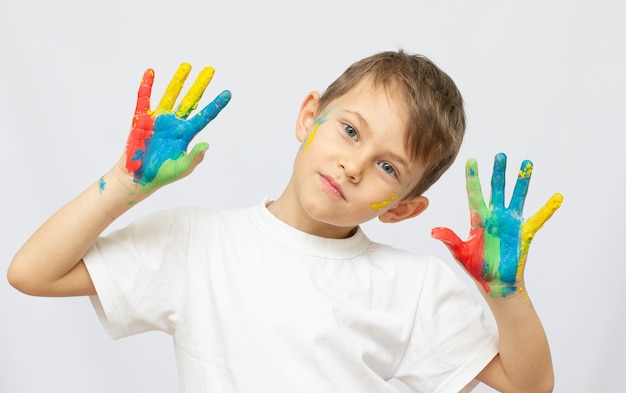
x=496 y=250
x=156 y=150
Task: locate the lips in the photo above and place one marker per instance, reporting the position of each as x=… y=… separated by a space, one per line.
x=331 y=186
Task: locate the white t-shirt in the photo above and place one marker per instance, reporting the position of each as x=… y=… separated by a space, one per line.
x=255 y=305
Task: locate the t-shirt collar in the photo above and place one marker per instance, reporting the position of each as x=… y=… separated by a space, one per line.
x=290 y=237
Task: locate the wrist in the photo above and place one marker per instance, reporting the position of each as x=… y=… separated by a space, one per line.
x=120 y=185
x=502 y=292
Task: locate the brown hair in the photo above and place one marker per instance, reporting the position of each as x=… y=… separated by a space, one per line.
x=436 y=122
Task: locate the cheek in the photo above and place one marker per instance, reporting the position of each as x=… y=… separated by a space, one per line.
x=309 y=139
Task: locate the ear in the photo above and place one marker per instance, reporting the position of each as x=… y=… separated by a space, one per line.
x=405 y=209
x=307 y=114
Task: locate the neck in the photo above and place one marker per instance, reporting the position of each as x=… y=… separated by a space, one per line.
x=287 y=209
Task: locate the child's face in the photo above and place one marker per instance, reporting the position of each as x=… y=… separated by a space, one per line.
x=352 y=165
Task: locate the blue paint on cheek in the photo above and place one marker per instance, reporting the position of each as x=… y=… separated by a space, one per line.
x=321 y=119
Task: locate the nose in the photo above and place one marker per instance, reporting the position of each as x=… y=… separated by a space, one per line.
x=352 y=167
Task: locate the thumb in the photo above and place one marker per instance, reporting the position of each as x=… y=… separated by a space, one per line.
x=186 y=163
x=447 y=236
x=450 y=239
x=196 y=155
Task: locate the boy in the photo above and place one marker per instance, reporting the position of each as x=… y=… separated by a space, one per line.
x=290 y=295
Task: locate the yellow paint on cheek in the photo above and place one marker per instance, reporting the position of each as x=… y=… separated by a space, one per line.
x=311 y=136
x=383 y=204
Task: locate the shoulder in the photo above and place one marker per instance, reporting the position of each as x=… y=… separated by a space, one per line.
x=201 y=216
x=430 y=278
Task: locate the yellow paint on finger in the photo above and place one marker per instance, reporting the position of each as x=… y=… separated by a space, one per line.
x=191 y=99
x=530 y=227
x=383 y=204
x=150 y=74
x=526 y=171
x=534 y=224
x=173 y=89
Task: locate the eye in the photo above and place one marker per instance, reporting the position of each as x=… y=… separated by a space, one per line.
x=388 y=168
x=350 y=131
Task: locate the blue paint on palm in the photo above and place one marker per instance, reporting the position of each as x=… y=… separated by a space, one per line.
x=505 y=223
x=170 y=140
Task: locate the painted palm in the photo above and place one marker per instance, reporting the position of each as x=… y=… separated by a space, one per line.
x=496 y=249
x=156 y=151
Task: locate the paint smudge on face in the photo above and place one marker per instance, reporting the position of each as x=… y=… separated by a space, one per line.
x=318 y=121
x=383 y=204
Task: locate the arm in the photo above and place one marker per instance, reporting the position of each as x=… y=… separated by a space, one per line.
x=495 y=256
x=50 y=262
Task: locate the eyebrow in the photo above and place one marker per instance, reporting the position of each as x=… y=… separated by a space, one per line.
x=393 y=155
x=358 y=116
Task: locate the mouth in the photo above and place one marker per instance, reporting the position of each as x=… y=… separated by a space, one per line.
x=331 y=187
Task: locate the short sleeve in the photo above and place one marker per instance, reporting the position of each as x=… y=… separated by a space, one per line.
x=138 y=274
x=451 y=341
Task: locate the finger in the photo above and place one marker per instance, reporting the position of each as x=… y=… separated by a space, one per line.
x=199 y=121
x=196 y=155
x=145 y=90
x=449 y=238
x=471 y=259
x=173 y=89
x=184 y=164
x=498 y=180
x=474 y=192
x=191 y=99
x=534 y=223
x=521 y=188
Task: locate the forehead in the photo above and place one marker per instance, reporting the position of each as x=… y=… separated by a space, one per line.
x=376 y=103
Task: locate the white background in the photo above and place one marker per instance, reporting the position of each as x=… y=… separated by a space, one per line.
x=542 y=80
